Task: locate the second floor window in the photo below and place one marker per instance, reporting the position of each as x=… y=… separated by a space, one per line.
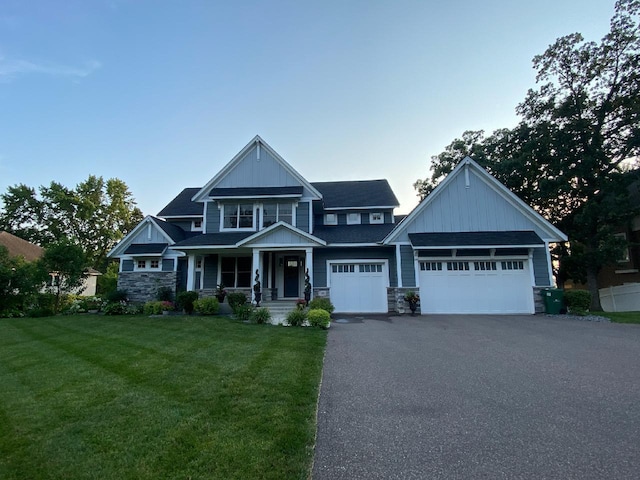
x=279 y=212
x=238 y=215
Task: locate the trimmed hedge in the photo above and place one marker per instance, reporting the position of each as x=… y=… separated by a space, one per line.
x=319 y=318
x=207 y=306
x=577 y=301
x=322 y=303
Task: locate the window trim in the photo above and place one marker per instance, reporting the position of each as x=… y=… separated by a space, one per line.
x=626 y=257
x=373 y=221
x=194 y=227
x=354 y=222
x=147 y=265
x=330 y=222
x=223 y=206
x=277 y=205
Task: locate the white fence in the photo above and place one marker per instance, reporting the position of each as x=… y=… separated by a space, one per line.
x=623 y=298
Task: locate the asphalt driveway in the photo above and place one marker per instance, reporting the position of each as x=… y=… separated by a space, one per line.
x=479 y=397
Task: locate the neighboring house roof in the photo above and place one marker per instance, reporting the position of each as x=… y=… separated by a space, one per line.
x=353 y=233
x=476 y=239
x=146 y=248
x=182 y=206
x=252 y=192
x=356 y=194
x=17 y=247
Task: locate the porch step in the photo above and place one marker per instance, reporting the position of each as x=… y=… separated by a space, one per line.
x=279 y=309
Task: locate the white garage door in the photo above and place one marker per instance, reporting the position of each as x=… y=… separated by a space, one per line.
x=476 y=286
x=359 y=287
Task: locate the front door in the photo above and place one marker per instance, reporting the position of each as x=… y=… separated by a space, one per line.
x=291 y=277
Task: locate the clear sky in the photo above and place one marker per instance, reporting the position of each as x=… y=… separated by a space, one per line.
x=162 y=94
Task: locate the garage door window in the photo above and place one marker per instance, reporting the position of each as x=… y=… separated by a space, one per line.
x=484 y=266
x=457 y=265
x=368 y=268
x=513 y=265
x=343 y=268
x=430 y=266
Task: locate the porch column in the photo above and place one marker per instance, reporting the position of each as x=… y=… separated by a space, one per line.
x=191 y=273
x=399 y=265
x=308 y=263
x=256 y=265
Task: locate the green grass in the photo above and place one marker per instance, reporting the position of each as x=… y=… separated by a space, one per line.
x=90 y=397
x=621 y=317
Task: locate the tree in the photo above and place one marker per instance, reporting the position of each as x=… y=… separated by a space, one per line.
x=96 y=215
x=67 y=265
x=19 y=279
x=567 y=156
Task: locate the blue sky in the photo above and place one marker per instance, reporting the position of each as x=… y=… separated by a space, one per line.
x=162 y=94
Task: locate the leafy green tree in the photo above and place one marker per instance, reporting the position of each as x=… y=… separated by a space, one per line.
x=579 y=129
x=96 y=215
x=67 y=265
x=19 y=280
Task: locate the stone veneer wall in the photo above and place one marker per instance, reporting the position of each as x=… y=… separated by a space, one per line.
x=538 y=301
x=396 y=302
x=143 y=286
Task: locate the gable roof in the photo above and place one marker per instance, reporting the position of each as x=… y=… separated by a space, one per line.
x=300 y=236
x=257 y=142
x=171 y=233
x=356 y=194
x=146 y=249
x=182 y=205
x=552 y=234
x=17 y=247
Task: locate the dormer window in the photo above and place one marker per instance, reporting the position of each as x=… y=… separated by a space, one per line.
x=353 y=218
x=238 y=216
x=376 y=217
x=330 y=219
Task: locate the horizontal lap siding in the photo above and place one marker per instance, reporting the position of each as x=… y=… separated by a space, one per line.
x=127 y=265
x=320 y=257
x=167 y=265
x=540 y=267
x=213 y=218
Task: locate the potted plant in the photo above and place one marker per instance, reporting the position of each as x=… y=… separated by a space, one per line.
x=221 y=293
x=412 y=298
x=166 y=306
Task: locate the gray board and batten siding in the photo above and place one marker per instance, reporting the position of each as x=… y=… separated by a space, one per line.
x=265 y=171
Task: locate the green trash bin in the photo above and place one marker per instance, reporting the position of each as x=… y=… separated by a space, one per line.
x=553 y=300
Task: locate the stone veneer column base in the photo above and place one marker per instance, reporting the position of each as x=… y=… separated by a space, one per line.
x=395 y=299
x=143 y=286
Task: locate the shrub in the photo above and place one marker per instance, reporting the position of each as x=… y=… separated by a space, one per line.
x=115 y=308
x=167 y=306
x=296 y=317
x=40 y=312
x=164 y=294
x=322 y=303
x=577 y=301
x=153 y=307
x=77 y=306
x=186 y=299
x=319 y=318
x=236 y=299
x=261 y=315
x=116 y=296
x=207 y=306
x=244 y=312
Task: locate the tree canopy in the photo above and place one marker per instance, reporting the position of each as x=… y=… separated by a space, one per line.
x=575 y=151
x=95 y=215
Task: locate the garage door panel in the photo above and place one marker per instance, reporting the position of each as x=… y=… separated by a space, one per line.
x=363 y=290
x=487 y=287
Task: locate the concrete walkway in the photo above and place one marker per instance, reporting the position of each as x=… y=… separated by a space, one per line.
x=453 y=397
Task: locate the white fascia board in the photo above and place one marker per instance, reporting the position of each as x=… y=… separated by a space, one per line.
x=175 y=217
x=373 y=207
x=203 y=193
x=204 y=247
x=317 y=241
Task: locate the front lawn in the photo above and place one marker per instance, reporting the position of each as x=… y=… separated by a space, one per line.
x=621 y=317
x=148 y=398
